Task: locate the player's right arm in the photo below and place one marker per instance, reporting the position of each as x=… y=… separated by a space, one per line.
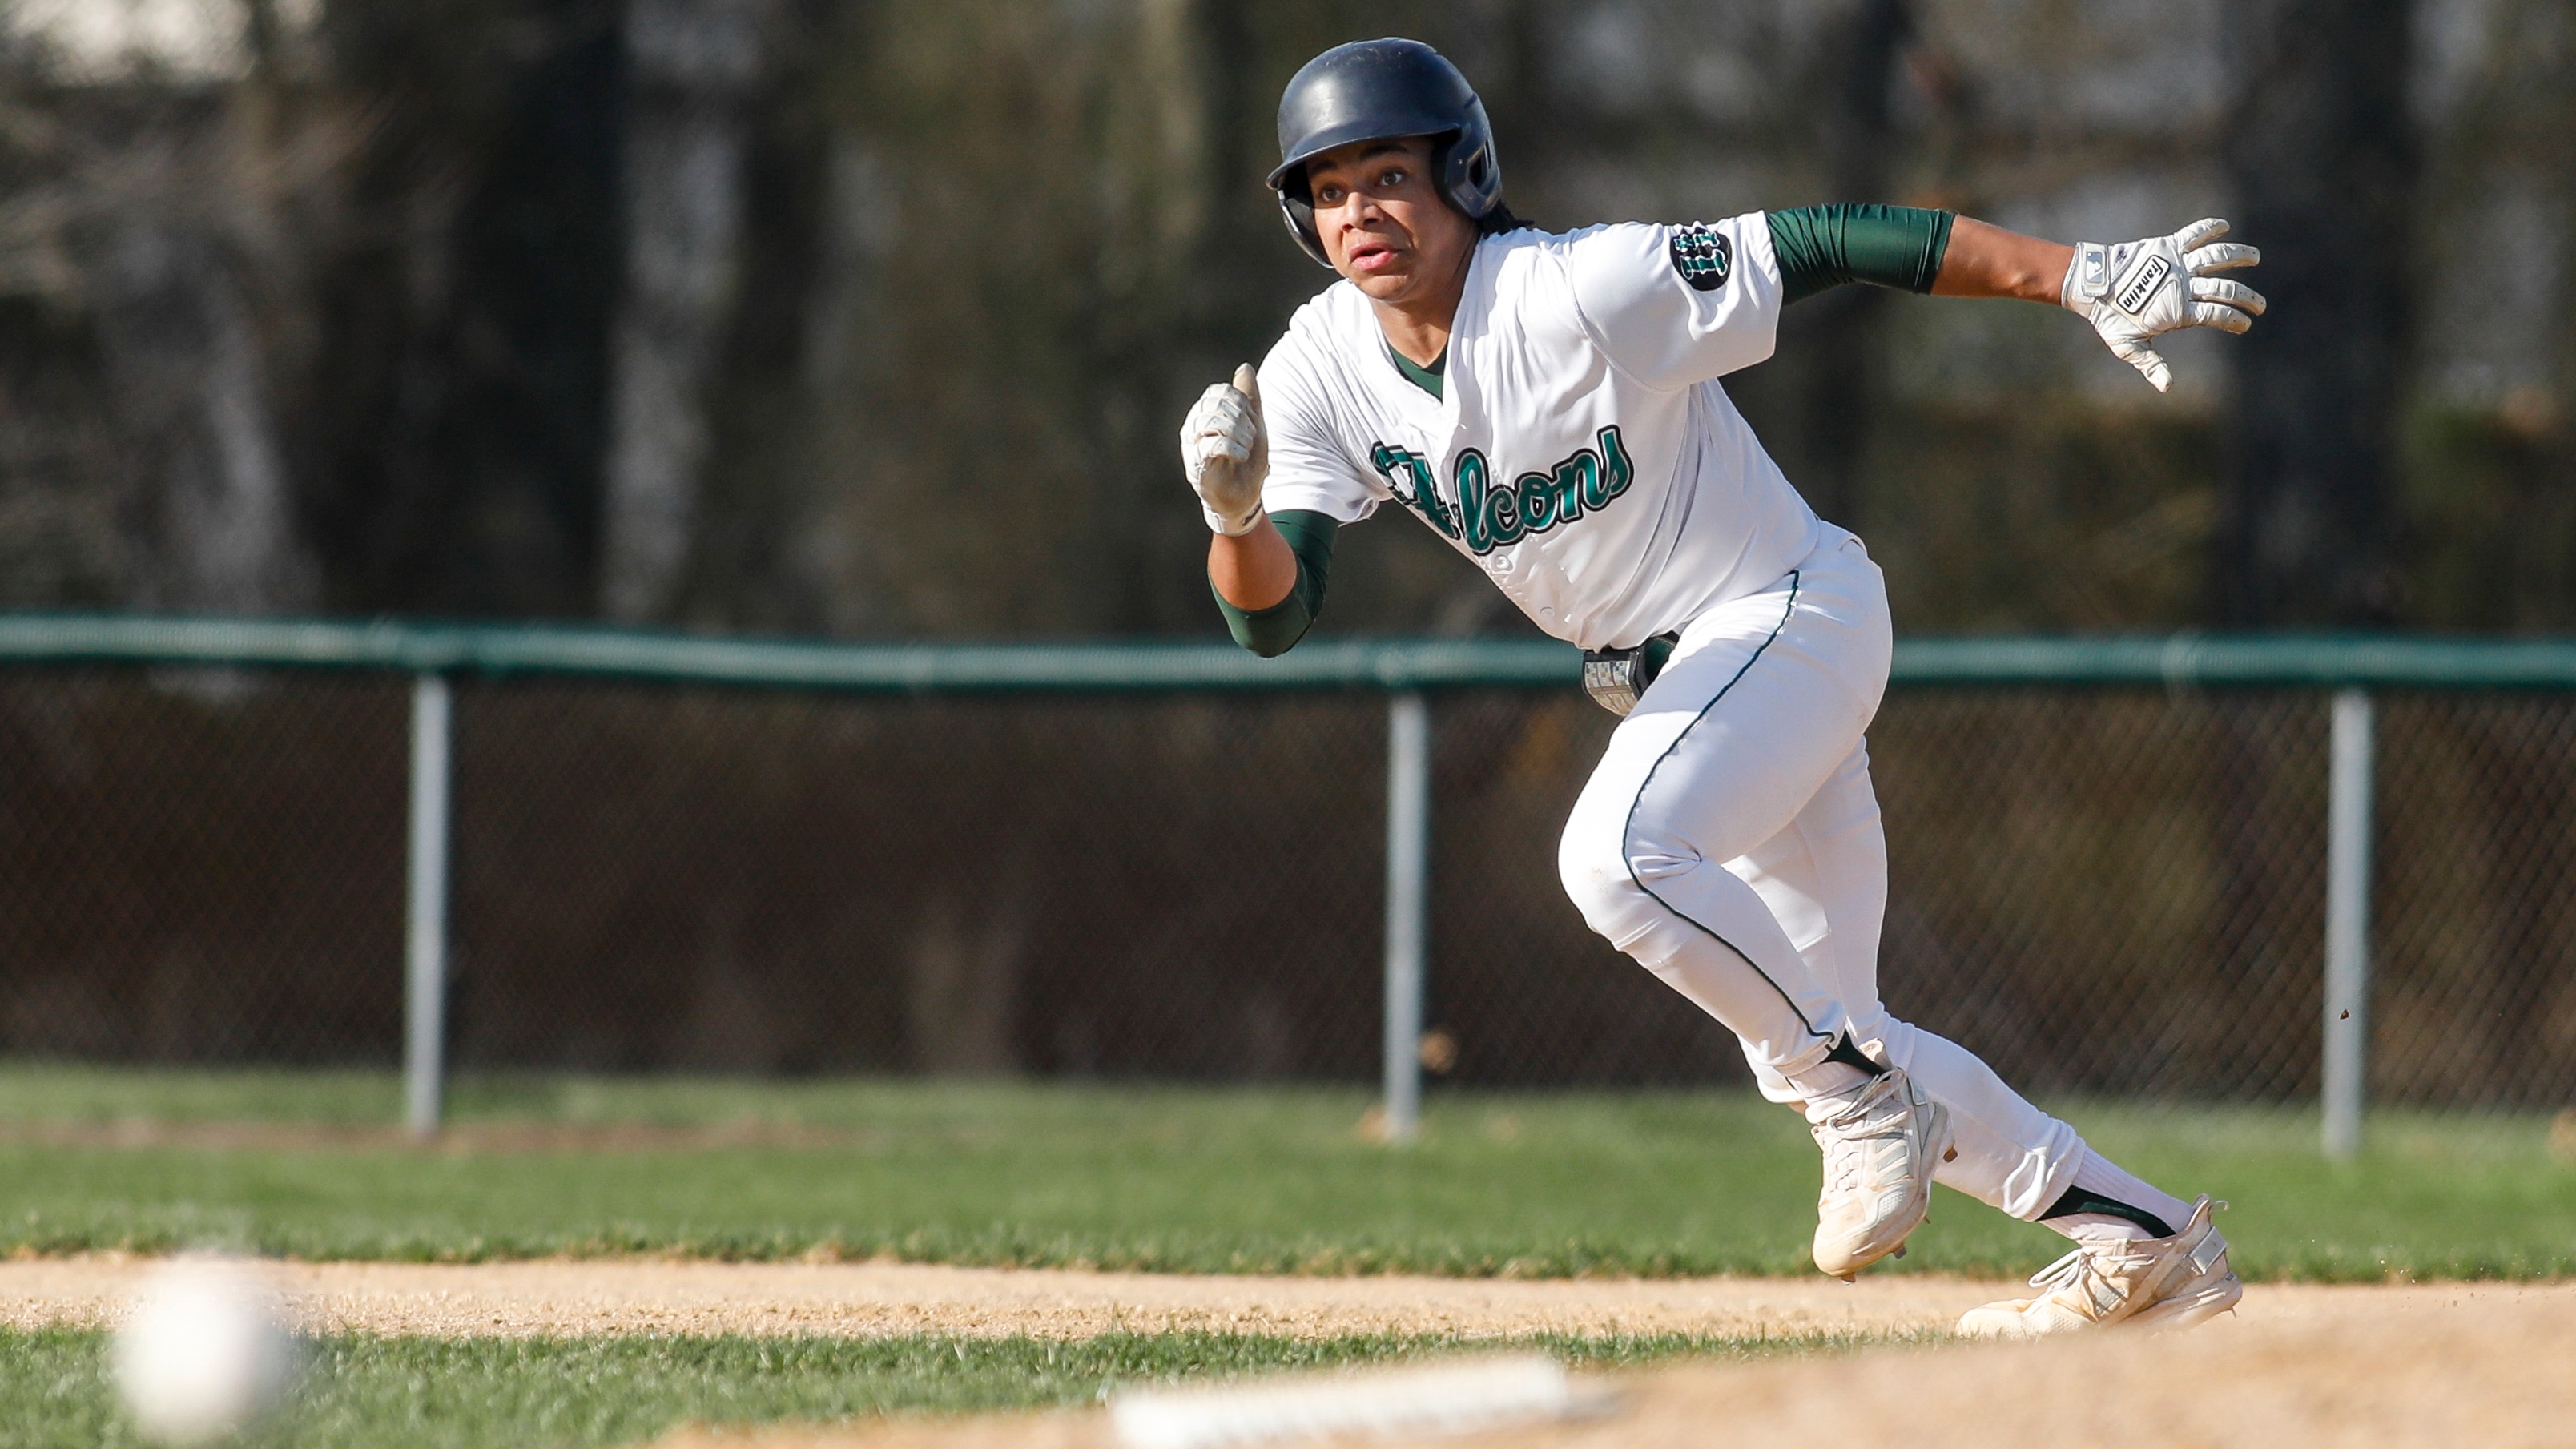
x=1268 y=571
x=1285 y=560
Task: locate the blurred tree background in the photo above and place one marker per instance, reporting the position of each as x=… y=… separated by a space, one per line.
x=876 y=318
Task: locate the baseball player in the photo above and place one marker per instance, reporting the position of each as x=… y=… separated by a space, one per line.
x=1549 y=403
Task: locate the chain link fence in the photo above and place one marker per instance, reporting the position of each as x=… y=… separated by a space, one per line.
x=2100 y=887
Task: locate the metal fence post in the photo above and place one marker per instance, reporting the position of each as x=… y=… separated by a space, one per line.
x=2348 y=831
x=1408 y=871
x=425 y=932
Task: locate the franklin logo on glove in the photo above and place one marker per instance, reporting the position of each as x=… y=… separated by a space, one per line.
x=2144 y=278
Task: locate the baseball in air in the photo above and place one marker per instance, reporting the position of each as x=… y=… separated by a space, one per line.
x=203 y=1352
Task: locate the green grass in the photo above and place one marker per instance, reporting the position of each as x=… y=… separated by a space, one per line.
x=524 y=1393
x=1197 y=1179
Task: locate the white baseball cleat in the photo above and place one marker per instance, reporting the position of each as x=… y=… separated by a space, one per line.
x=2158 y=1284
x=1879 y=1156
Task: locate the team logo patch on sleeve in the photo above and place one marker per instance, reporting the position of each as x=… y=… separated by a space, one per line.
x=1703 y=256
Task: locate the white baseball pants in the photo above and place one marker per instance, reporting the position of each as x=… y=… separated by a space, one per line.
x=1730 y=841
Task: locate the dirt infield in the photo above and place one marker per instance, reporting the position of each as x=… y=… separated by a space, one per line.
x=628 y=1295
x=2353 y=1368
x=605 y=1296
x=2438 y=1364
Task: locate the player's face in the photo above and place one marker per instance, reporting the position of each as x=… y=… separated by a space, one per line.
x=1382 y=220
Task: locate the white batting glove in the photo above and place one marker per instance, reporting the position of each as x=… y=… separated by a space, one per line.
x=1226 y=453
x=2136 y=290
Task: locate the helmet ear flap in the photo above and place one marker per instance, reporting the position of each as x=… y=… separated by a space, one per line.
x=1470 y=175
x=1468 y=166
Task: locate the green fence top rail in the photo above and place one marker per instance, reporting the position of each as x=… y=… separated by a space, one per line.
x=2177 y=662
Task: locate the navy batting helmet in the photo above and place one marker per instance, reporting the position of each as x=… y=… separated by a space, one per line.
x=1373 y=90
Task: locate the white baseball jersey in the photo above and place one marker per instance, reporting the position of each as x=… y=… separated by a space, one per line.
x=1583 y=453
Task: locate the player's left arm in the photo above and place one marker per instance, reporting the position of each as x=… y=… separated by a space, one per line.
x=2132 y=292
x=1984 y=260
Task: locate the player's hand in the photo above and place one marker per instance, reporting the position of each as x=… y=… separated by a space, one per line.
x=2136 y=290
x=1226 y=453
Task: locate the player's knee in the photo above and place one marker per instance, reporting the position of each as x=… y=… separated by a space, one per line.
x=1597 y=886
x=1594 y=867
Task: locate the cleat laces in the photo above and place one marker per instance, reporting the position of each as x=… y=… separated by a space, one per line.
x=2094 y=1261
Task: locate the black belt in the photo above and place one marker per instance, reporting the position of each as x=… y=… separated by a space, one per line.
x=1617 y=678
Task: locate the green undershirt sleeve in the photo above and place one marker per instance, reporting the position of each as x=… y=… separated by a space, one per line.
x=1821 y=247
x=1270 y=632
